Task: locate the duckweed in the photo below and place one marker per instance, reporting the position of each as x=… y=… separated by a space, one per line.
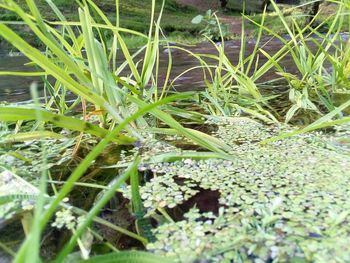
x=281 y=202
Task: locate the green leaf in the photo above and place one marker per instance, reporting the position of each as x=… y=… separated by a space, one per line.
x=16 y=114
x=28 y=136
x=198 y=19
x=128 y=257
x=175 y=156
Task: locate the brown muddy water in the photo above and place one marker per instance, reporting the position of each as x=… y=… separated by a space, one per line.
x=16 y=89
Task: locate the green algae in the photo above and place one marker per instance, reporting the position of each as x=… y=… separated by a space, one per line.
x=281 y=202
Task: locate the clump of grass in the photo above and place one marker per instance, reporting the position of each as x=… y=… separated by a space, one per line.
x=124 y=103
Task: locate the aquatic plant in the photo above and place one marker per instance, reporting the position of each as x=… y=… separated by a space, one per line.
x=315 y=85
x=268 y=198
x=212 y=28
x=276 y=202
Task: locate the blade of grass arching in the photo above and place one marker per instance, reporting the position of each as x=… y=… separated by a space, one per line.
x=169 y=68
x=176 y=156
x=29 y=136
x=22 y=74
x=285 y=24
x=89 y=43
x=70 y=123
x=125 y=64
x=32 y=253
x=129 y=257
x=7 y=250
x=307 y=129
x=50 y=42
x=99 y=26
x=243 y=41
x=149 y=48
x=285 y=50
x=106 y=223
x=115 y=39
x=63 y=19
x=191 y=115
x=328 y=117
x=129 y=58
x=39 y=21
x=167 y=119
x=88 y=160
x=143 y=225
x=258 y=38
x=46 y=64
x=204 y=65
x=95 y=210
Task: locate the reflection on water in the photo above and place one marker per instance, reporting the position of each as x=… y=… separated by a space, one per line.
x=15 y=89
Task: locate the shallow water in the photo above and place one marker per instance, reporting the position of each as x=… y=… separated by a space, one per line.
x=16 y=89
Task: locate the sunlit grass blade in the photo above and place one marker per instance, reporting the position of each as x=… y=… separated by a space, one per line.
x=29 y=136
x=128 y=257
x=203 y=135
x=70 y=123
x=95 y=210
x=85 y=164
x=307 y=129
x=176 y=156
x=42 y=61
x=22 y=74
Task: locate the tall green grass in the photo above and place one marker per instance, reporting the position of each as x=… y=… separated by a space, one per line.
x=320 y=86
x=82 y=62
x=79 y=62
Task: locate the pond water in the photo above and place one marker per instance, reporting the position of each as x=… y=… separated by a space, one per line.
x=16 y=89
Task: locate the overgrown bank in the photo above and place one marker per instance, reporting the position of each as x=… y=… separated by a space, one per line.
x=134 y=15
x=215 y=175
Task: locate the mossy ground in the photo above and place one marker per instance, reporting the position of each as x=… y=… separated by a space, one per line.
x=134 y=15
x=176 y=22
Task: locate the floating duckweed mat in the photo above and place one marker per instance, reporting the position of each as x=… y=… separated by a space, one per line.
x=20 y=167
x=287 y=201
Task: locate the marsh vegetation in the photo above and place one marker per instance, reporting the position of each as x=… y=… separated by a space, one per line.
x=234 y=149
